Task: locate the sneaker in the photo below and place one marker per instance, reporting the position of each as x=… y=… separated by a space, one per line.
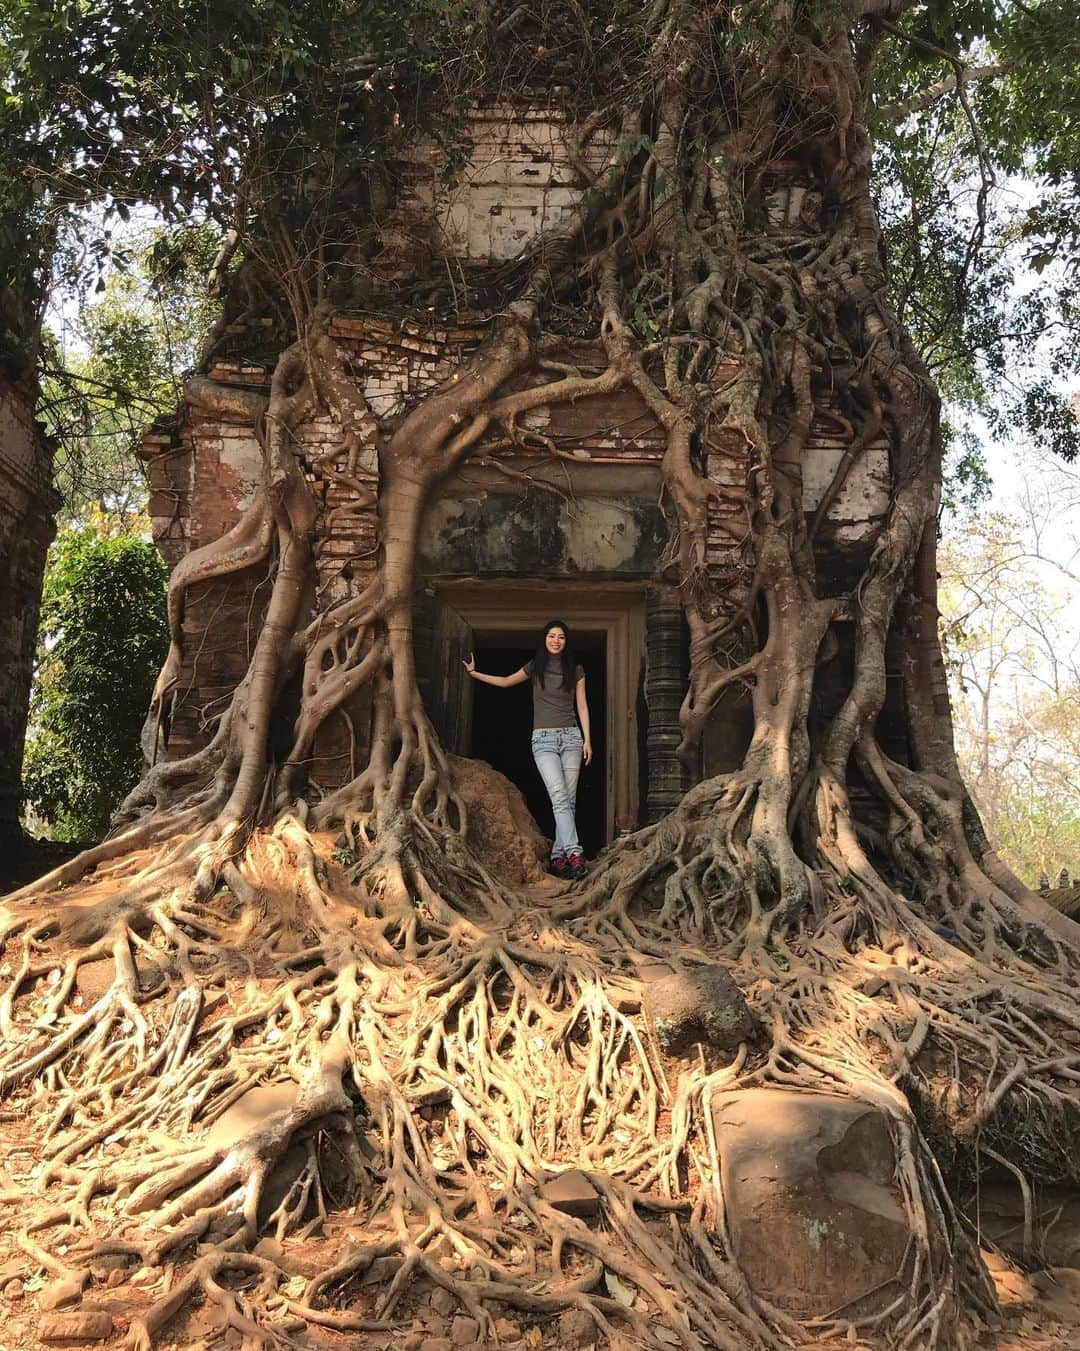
x=558 y=867
x=576 y=866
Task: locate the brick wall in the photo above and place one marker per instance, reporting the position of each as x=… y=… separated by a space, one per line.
x=519 y=180
x=204 y=471
x=28 y=504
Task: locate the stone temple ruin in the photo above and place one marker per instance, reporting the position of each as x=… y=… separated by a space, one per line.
x=568 y=523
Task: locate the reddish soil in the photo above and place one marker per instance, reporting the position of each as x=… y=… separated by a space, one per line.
x=1040 y=1311
x=502 y=832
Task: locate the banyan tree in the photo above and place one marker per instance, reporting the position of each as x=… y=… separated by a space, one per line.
x=574 y=309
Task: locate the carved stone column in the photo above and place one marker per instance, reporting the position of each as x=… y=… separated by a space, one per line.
x=665 y=685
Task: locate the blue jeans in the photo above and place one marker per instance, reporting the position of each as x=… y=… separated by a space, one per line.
x=557 y=752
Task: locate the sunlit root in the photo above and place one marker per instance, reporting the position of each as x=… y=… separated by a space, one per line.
x=431 y=1074
x=259 y=1007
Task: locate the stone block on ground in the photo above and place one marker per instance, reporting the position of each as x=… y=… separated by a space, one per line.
x=815 y=1216
x=103 y=1266
x=572 y=1193
x=698 y=1005
x=382 y=1271
x=998 y=1209
x=576 y=1328
x=464 y=1331
x=501 y=829
x=83 y=1325
x=1059 y=1291
x=67 y=1290
x=442 y=1301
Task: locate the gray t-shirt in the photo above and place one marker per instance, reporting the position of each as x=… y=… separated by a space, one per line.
x=552 y=705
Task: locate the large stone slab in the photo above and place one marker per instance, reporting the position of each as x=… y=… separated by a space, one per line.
x=572 y=1193
x=85 y=1325
x=813 y=1211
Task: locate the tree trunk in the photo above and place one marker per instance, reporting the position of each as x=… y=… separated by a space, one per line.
x=28 y=505
x=445 y=1045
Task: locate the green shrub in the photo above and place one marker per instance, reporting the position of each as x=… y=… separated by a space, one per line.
x=103 y=637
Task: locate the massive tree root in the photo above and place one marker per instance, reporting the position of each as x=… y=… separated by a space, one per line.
x=294 y=1045
x=327 y=1007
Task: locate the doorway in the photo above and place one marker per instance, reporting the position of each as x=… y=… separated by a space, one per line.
x=500 y=620
x=502 y=722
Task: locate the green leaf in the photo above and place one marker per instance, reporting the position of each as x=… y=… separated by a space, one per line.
x=103 y=637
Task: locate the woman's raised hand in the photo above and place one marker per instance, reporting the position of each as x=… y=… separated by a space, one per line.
x=469 y=663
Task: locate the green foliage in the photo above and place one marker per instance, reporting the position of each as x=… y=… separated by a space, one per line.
x=240 y=114
x=966 y=483
x=121 y=364
x=980 y=204
x=102 y=640
x=253 y=115
x=635 y=146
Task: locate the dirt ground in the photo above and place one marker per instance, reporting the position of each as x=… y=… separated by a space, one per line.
x=1040 y=1310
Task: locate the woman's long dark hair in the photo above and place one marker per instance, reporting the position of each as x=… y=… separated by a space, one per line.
x=543 y=656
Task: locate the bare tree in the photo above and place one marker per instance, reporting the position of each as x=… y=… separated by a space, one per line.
x=1009 y=607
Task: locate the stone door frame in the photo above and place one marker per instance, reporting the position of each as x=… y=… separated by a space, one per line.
x=617 y=610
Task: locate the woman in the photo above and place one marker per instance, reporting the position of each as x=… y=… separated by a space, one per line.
x=558 y=746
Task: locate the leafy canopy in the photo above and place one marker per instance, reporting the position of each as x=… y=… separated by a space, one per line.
x=222 y=113
x=102 y=639
x=118 y=363
x=976 y=122
x=267 y=118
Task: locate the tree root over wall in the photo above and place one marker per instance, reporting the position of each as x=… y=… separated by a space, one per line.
x=423 y=1048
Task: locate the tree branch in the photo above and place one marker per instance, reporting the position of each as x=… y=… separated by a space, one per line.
x=967 y=75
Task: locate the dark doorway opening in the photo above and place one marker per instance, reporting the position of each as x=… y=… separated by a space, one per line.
x=502 y=725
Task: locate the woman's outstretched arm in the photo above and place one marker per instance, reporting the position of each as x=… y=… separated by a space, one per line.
x=517 y=678
x=583 y=718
